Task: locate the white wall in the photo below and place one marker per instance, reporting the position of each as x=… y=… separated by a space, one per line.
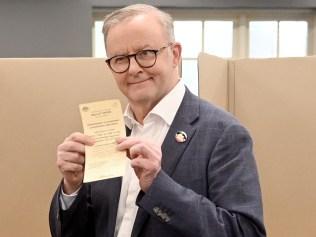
x=45 y=28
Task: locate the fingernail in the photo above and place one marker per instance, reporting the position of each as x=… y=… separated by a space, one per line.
x=119 y=139
x=92 y=141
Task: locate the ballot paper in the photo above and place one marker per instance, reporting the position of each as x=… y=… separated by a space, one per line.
x=103 y=120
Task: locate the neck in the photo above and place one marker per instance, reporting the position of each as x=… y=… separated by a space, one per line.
x=140 y=110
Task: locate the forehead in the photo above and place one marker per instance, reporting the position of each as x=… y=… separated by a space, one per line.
x=134 y=33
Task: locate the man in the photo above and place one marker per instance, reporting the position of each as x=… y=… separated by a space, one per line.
x=191 y=172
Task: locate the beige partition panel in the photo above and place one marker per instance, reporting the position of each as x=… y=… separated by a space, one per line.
x=213 y=79
x=38 y=107
x=276 y=100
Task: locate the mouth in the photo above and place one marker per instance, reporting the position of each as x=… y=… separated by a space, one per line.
x=139 y=81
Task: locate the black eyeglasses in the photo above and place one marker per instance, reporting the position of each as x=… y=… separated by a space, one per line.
x=145 y=58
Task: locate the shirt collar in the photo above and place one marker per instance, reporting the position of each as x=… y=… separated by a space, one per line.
x=166 y=109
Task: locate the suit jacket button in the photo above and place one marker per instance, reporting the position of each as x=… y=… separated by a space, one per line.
x=164 y=216
x=156 y=210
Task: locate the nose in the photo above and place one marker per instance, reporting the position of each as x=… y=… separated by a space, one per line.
x=134 y=66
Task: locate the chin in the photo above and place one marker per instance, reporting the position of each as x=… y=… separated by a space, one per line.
x=138 y=92
x=139 y=98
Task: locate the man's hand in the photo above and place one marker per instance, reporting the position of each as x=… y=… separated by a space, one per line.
x=145 y=159
x=71 y=159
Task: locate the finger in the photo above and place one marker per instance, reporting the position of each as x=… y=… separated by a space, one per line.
x=138 y=150
x=140 y=163
x=81 y=138
x=72 y=157
x=71 y=146
x=144 y=164
x=120 y=139
x=65 y=167
x=128 y=154
x=127 y=142
x=144 y=150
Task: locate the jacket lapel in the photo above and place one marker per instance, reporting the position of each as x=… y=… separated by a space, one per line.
x=172 y=150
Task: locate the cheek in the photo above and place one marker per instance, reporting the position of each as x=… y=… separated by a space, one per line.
x=159 y=70
x=120 y=80
x=163 y=73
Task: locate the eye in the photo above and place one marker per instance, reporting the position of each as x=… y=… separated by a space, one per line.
x=146 y=54
x=120 y=60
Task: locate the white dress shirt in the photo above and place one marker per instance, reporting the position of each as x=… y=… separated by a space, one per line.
x=154 y=129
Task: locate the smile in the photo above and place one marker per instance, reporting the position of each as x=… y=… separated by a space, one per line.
x=139 y=82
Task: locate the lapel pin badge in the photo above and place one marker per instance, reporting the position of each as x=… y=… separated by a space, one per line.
x=181 y=136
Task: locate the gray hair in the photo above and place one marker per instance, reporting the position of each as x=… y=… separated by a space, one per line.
x=138 y=9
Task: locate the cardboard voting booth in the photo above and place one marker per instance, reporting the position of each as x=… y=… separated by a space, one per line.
x=273 y=98
x=39 y=101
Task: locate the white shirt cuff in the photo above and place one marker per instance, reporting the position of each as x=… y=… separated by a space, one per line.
x=67 y=199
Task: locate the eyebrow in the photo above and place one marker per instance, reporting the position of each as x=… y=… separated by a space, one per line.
x=138 y=49
x=145 y=46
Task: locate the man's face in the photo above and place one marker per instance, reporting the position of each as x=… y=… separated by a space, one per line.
x=144 y=85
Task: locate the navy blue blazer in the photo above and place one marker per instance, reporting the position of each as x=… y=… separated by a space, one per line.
x=208 y=185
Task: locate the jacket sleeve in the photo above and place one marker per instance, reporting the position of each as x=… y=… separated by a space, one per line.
x=75 y=221
x=232 y=206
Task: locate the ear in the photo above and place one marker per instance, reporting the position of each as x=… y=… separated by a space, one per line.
x=176 y=51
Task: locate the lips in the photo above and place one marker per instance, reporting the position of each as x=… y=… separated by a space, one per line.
x=139 y=81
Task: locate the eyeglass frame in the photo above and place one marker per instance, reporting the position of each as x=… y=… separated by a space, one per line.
x=128 y=56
